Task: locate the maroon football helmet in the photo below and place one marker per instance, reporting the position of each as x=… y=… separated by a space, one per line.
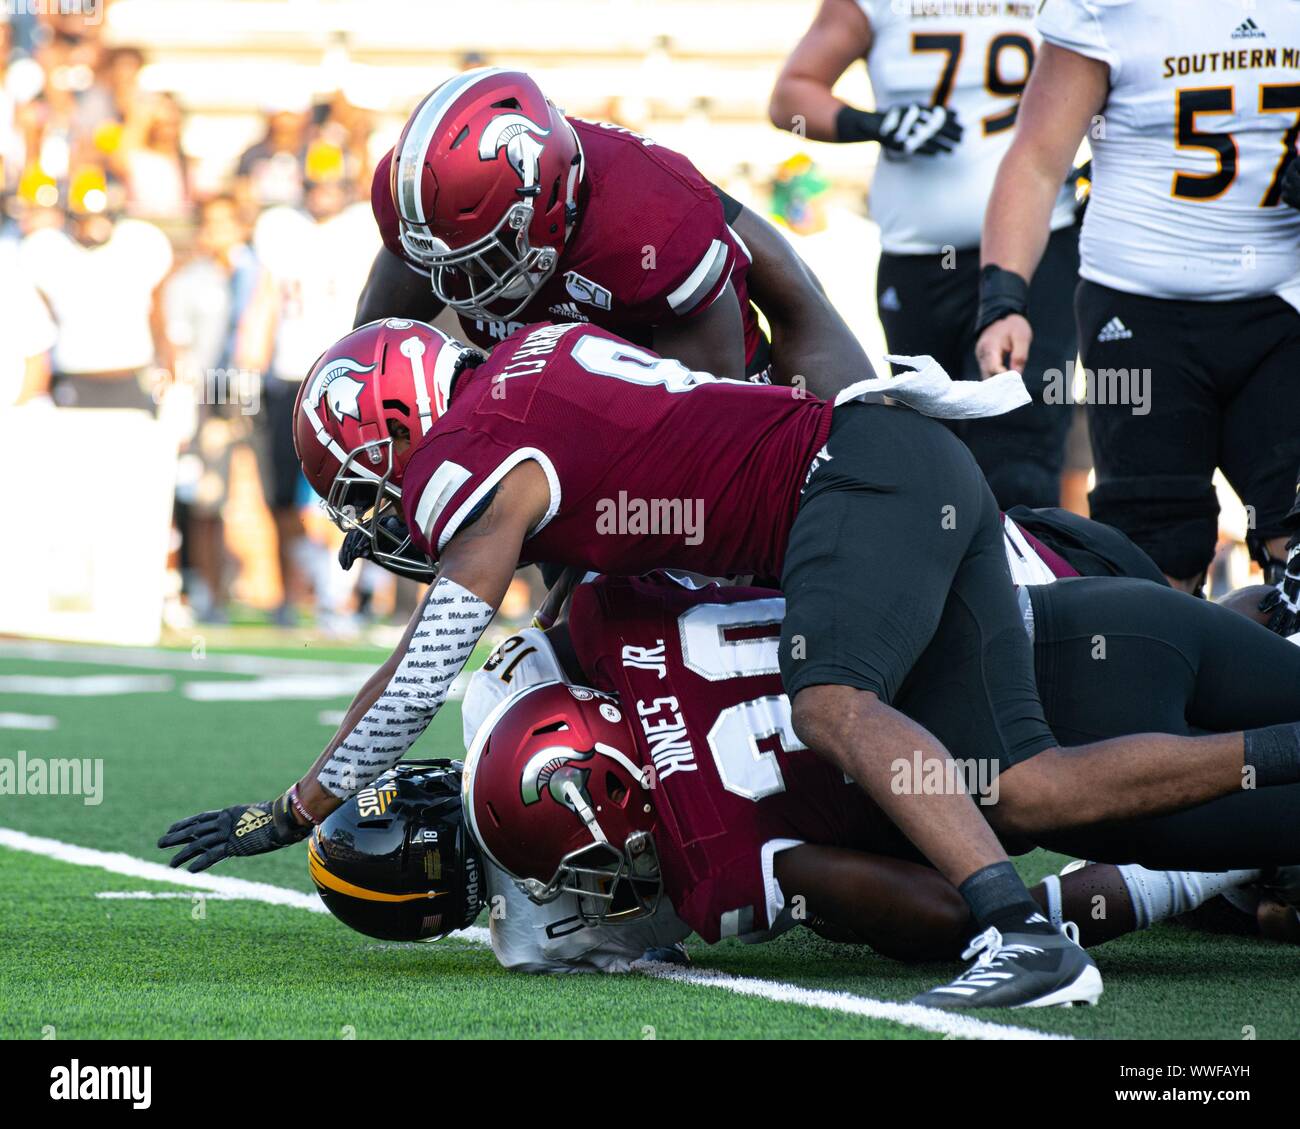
x=554 y=794
x=485 y=181
x=364 y=406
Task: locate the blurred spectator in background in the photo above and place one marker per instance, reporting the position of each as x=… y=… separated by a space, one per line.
x=100 y=275
x=116 y=91
x=798 y=191
x=26 y=333
x=346 y=127
x=314 y=261
x=150 y=163
x=204 y=301
x=270 y=173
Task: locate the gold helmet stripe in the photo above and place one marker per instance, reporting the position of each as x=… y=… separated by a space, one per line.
x=322 y=877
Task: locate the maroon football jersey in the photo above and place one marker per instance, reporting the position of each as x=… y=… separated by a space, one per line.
x=651 y=244
x=696 y=672
x=650 y=465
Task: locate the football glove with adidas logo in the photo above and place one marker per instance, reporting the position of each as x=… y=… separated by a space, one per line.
x=245 y=829
x=911 y=129
x=1283 y=603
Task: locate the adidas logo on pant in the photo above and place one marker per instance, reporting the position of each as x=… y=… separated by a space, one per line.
x=1114 y=330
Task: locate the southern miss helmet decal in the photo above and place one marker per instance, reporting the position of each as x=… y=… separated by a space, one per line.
x=396 y=861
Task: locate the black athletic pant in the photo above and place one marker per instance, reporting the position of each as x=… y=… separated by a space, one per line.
x=927 y=305
x=1114 y=657
x=896 y=582
x=1223 y=389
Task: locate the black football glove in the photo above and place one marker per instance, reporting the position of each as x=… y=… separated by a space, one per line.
x=1284 y=601
x=359 y=546
x=1291 y=184
x=356 y=546
x=245 y=829
x=910 y=128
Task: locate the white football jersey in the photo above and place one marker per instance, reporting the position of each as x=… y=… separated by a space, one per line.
x=552 y=938
x=1188 y=153
x=974 y=58
x=316 y=268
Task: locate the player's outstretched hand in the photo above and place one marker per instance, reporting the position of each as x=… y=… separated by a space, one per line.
x=245 y=829
x=1004 y=345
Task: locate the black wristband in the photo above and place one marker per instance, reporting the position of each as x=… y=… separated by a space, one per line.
x=1002 y=292
x=287 y=828
x=852 y=124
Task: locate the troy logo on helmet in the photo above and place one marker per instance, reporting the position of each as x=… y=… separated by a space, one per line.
x=338 y=389
x=550 y=769
x=523 y=151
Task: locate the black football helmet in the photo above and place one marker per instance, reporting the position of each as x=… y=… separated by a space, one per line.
x=396 y=860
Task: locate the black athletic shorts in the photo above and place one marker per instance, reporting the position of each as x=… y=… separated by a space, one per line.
x=1223 y=389
x=1115 y=657
x=896 y=582
x=928 y=305
x=76 y=390
x=273 y=444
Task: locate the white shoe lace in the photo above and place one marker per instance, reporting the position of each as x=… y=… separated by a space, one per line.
x=991 y=955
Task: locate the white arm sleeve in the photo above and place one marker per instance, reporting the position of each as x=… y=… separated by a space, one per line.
x=450 y=624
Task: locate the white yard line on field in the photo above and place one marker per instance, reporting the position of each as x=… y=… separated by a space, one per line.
x=27 y=721
x=86 y=686
x=909 y=1015
x=153 y=658
x=272 y=679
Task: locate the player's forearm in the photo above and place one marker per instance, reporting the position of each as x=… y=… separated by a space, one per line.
x=1017 y=221
x=812 y=347
x=1065 y=94
x=393 y=290
x=805 y=106
x=397 y=705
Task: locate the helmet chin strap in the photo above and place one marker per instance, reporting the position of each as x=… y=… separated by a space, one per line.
x=584 y=811
x=577 y=171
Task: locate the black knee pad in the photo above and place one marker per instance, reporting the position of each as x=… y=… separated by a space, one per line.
x=1175 y=518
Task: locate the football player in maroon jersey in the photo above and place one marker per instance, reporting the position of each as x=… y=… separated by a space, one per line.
x=573 y=446
x=747 y=832
x=497 y=206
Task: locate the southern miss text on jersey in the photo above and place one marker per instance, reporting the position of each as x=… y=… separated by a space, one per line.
x=696 y=672
x=1189 y=151
x=973 y=56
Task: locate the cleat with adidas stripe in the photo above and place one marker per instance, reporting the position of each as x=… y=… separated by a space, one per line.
x=1021 y=970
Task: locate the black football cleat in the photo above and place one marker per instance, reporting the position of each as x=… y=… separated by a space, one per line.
x=1021 y=970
